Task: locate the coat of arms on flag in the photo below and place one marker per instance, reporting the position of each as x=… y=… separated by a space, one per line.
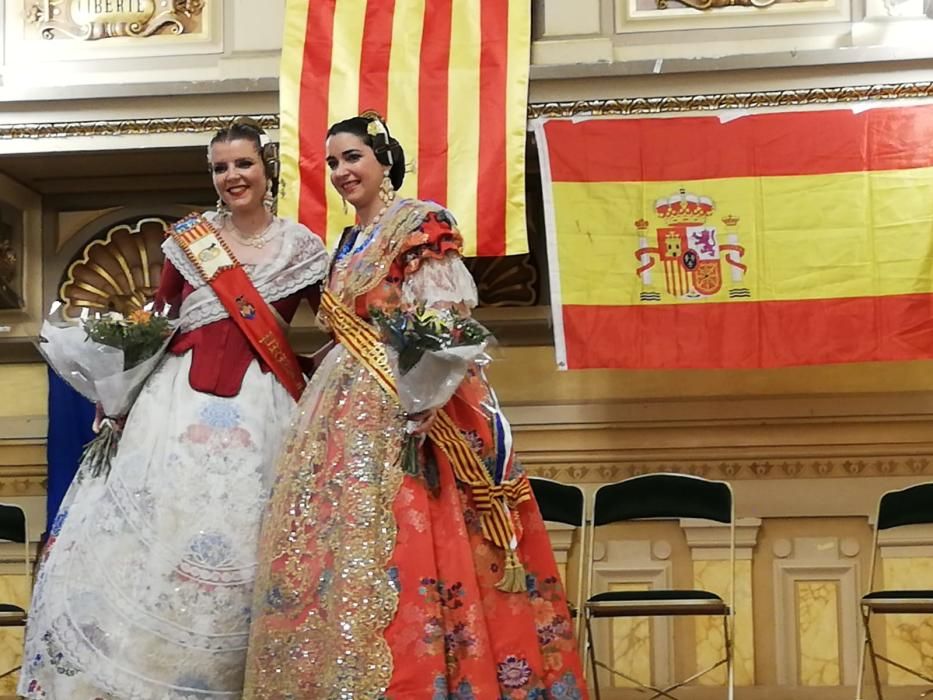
x=689 y=250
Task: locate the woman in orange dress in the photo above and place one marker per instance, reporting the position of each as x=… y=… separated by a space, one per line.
x=380 y=581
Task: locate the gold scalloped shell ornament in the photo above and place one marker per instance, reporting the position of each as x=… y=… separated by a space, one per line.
x=119 y=272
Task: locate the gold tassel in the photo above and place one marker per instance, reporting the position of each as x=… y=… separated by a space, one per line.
x=513 y=579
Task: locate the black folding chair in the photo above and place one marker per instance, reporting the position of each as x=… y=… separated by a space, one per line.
x=656 y=496
x=565 y=503
x=910 y=506
x=13 y=529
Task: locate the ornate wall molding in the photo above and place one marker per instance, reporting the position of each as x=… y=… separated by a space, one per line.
x=602 y=107
x=705 y=5
x=731 y=100
x=583 y=471
x=127 y=127
x=118 y=271
x=23 y=481
x=505 y=281
x=90 y=20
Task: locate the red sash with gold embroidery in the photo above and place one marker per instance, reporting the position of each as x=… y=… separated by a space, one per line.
x=218 y=267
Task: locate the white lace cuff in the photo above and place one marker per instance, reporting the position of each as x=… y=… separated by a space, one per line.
x=439 y=282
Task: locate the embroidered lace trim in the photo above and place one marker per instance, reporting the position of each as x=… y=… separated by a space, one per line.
x=440 y=282
x=301 y=262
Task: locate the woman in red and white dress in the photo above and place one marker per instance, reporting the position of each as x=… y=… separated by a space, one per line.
x=145 y=589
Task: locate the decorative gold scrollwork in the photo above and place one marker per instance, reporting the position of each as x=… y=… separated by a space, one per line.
x=119 y=272
x=510 y=280
x=730 y=100
x=89 y=20
x=601 y=108
x=714 y=4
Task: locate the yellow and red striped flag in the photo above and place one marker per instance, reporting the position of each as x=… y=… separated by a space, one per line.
x=451 y=79
x=768 y=240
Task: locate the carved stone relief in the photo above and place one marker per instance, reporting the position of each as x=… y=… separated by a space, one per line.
x=90 y=20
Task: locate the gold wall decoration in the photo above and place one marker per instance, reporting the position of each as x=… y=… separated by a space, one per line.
x=602 y=107
x=714 y=4
x=128 y=127
x=510 y=280
x=117 y=272
x=90 y=20
x=730 y=100
x=582 y=470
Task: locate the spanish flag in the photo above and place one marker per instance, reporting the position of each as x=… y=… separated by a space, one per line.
x=451 y=79
x=766 y=240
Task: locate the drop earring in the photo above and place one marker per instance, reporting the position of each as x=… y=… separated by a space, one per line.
x=386 y=190
x=268 y=199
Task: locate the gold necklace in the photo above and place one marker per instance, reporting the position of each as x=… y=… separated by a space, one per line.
x=255 y=241
x=365 y=232
x=368 y=229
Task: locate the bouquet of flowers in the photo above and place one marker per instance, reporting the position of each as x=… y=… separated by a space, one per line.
x=106 y=359
x=429 y=351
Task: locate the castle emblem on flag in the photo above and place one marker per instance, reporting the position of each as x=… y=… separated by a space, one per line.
x=690 y=250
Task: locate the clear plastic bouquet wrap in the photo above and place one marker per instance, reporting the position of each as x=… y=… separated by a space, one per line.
x=429 y=351
x=107 y=360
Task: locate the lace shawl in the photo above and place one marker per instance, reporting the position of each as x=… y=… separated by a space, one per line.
x=300 y=262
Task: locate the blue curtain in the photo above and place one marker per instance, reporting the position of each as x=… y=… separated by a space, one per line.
x=70 y=419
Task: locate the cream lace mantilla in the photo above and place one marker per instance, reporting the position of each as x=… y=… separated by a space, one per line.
x=300 y=262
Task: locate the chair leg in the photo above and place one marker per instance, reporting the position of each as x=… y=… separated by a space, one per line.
x=591 y=653
x=870 y=650
x=730 y=658
x=583 y=632
x=11 y=671
x=860 y=680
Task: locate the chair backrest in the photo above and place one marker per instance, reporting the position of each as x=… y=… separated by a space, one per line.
x=663 y=496
x=12 y=523
x=14 y=528
x=562 y=503
x=910 y=506
x=559 y=503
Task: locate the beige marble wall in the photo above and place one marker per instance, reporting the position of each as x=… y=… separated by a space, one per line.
x=715 y=576
x=12 y=590
x=817 y=612
x=908 y=638
x=631 y=644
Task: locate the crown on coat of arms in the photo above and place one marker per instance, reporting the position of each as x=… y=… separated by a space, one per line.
x=684 y=208
x=730 y=220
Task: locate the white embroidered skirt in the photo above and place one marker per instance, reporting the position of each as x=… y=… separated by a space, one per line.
x=146 y=590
